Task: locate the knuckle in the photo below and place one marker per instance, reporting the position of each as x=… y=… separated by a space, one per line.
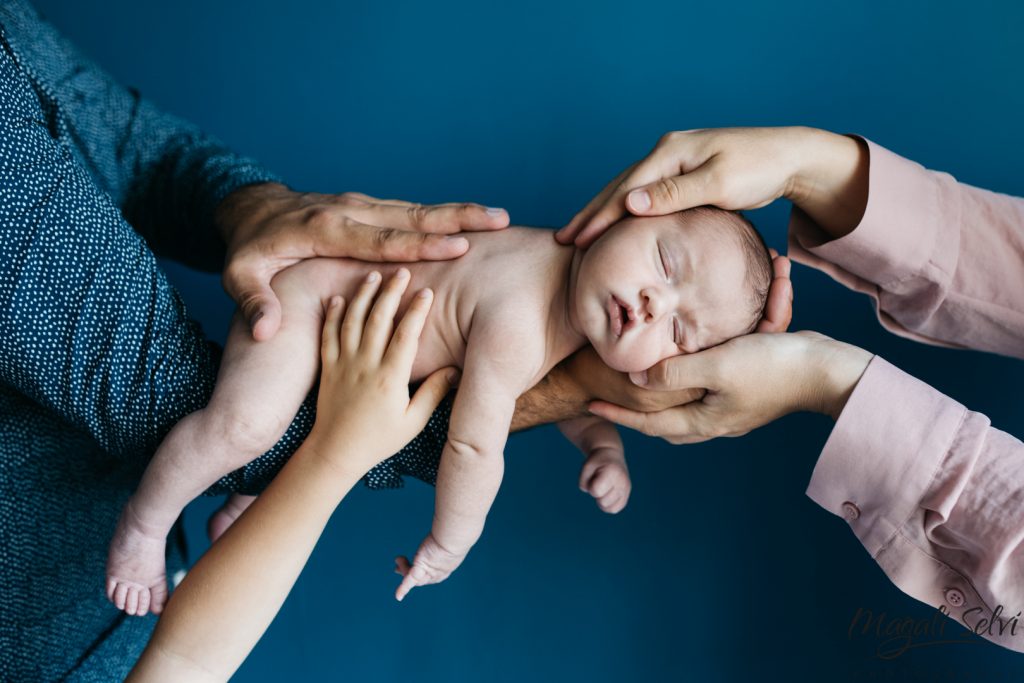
x=318 y=217
x=384 y=237
x=348 y=199
x=418 y=214
x=670 y=137
x=665 y=191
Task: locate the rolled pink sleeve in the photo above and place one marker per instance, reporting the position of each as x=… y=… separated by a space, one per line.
x=943 y=261
x=934 y=493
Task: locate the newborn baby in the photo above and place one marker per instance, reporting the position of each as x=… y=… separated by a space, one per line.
x=506 y=313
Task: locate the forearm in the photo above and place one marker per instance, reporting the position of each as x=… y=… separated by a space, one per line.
x=467 y=483
x=555 y=398
x=166 y=176
x=212 y=621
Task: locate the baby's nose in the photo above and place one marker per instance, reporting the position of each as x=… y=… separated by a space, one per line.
x=654 y=304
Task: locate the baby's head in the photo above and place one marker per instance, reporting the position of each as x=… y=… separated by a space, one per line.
x=652 y=288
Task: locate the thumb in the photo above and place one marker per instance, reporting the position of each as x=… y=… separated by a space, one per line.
x=256 y=300
x=430 y=394
x=689 y=371
x=669 y=195
x=262 y=312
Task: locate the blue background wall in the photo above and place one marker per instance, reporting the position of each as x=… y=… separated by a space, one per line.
x=720 y=569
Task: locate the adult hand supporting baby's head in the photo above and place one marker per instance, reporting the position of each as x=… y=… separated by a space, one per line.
x=731 y=168
x=750 y=381
x=269 y=227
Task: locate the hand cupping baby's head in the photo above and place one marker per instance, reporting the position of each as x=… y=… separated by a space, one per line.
x=655 y=287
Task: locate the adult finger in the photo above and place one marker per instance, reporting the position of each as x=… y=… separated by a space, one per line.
x=355 y=317
x=614 y=207
x=674 y=193
x=567 y=234
x=689 y=371
x=341 y=236
x=779 y=307
x=675 y=422
x=404 y=344
x=431 y=218
x=247 y=281
x=430 y=394
x=381 y=319
x=329 y=338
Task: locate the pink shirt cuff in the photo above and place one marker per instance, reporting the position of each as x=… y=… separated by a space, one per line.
x=884 y=452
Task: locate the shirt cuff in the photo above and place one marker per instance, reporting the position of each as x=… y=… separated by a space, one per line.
x=910 y=225
x=884 y=452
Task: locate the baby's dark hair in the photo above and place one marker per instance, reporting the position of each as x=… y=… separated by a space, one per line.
x=755 y=253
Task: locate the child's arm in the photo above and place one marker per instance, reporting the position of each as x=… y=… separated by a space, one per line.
x=364 y=414
x=604 y=474
x=472 y=463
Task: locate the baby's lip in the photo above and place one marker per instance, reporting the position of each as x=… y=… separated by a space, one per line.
x=621 y=315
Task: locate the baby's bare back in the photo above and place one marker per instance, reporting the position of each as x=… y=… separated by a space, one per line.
x=498 y=272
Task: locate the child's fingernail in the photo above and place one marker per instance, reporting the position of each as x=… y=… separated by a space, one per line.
x=640 y=200
x=373 y=277
x=402 y=273
x=494 y=211
x=424 y=293
x=639 y=378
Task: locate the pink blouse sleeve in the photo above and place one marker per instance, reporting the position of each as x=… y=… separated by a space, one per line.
x=934 y=493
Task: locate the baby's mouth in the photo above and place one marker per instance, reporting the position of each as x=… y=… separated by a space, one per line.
x=620 y=315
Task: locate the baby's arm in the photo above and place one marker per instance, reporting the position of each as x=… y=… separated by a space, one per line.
x=604 y=475
x=472 y=463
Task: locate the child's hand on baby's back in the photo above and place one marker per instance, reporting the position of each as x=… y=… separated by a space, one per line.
x=605 y=477
x=433 y=564
x=364 y=412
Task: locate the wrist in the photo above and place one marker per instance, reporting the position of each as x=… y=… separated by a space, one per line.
x=239 y=207
x=838 y=367
x=829 y=180
x=332 y=458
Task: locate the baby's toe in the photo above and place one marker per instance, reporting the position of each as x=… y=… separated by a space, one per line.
x=144 y=599
x=131 y=602
x=120 y=594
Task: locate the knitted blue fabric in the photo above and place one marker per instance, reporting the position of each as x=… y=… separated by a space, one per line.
x=97 y=356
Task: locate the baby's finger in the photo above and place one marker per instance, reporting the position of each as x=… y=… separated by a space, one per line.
x=381 y=320
x=600 y=485
x=404 y=344
x=402 y=565
x=355 y=317
x=329 y=341
x=411 y=580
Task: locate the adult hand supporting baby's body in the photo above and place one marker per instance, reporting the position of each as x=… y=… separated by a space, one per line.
x=268 y=227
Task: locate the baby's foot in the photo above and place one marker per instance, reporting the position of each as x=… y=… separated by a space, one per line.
x=136 y=566
x=224 y=517
x=606 y=478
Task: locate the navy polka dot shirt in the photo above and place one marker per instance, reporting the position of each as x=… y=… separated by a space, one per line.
x=98 y=358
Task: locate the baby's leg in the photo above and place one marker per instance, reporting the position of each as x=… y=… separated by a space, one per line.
x=604 y=474
x=259 y=389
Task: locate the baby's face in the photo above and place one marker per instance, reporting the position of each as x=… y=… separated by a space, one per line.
x=652 y=288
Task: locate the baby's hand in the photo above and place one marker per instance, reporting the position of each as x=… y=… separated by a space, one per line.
x=432 y=564
x=606 y=477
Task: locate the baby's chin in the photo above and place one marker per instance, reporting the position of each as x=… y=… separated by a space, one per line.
x=621 y=362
